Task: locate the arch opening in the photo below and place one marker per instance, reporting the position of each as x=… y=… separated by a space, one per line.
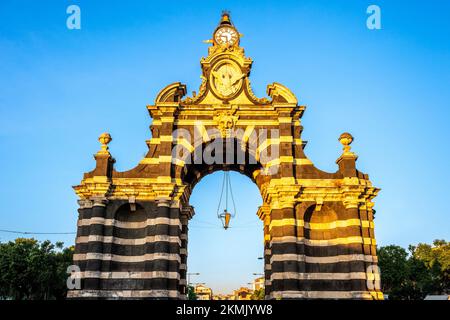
x=226 y=260
x=216 y=155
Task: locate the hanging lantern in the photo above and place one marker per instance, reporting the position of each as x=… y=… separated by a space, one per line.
x=226 y=216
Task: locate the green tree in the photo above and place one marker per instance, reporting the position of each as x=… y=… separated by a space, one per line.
x=191 y=293
x=393 y=262
x=33 y=270
x=258 y=294
x=436 y=258
x=424 y=270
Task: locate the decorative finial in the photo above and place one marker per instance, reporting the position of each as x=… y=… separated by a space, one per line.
x=346 y=140
x=104 y=139
x=226 y=18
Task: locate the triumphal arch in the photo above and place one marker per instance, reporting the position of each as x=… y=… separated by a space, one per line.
x=318 y=227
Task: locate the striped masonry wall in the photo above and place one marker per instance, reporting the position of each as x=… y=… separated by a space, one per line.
x=186 y=214
x=267 y=257
x=309 y=252
x=128 y=254
x=320 y=254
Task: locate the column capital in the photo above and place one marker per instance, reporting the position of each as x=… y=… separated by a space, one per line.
x=163 y=202
x=188 y=211
x=99 y=201
x=263 y=212
x=85 y=203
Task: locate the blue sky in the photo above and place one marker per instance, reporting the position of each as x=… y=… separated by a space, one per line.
x=60 y=88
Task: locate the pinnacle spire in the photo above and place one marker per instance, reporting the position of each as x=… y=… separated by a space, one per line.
x=226 y=20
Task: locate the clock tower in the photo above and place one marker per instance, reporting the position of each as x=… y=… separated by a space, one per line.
x=225 y=70
x=226 y=34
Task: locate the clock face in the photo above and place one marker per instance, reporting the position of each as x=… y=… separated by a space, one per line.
x=226 y=79
x=226 y=35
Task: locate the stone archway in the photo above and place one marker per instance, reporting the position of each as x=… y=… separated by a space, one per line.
x=146 y=257
x=193 y=173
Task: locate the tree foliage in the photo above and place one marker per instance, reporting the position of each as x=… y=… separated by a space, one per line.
x=191 y=293
x=258 y=294
x=30 y=269
x=424 y=270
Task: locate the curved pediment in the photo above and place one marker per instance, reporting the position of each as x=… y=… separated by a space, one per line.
x=281 y=94
x=172 y=93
